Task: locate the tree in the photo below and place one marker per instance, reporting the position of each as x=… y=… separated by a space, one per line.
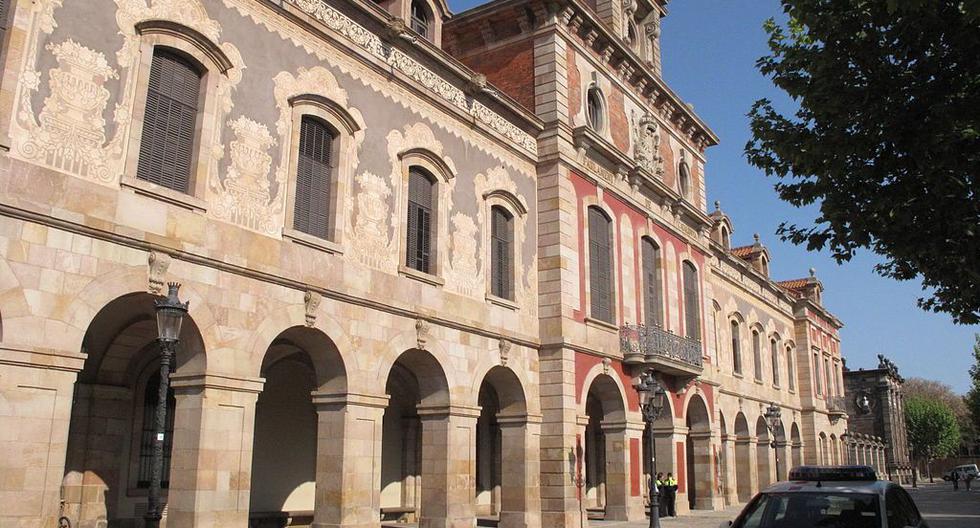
x=972 y=398
x=931 y=429
x=885 y=137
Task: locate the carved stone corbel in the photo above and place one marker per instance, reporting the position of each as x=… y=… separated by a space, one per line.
x=422 y=333
x=157 y=264
x=504 y=346
x=312 y=301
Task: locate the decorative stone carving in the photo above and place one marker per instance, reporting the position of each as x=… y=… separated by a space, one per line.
x=504 y=346
x=606 y=365
x=370 y=242
x=422 y=333
x=243 y=197
x=157 y=264
x=69 y=134
x=464 y=275
x=646 y=145
x=312 y=301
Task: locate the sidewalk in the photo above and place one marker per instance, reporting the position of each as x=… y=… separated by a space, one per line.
x=694 y=519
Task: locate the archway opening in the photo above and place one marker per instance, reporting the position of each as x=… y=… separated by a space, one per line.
x=797 y=444
x=764 y=453
x=604 y=457
x=743 y=459
x=415 y=382
x=500 y=430
x=700 y=473
x=111 y=431
x=299 y=363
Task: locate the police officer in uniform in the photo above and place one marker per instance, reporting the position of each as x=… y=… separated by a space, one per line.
x=670 y=487
x=662 y=495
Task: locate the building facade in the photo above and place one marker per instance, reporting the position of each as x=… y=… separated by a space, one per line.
x=876 y=429
x=426 y=255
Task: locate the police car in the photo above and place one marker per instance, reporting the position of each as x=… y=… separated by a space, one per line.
x=831 y=497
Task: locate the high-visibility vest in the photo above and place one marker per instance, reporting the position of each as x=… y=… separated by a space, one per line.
x=672 y=482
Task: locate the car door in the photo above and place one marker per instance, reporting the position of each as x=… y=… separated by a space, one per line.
x=901 y=509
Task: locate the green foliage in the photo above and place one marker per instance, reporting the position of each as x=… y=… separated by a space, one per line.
x=886 y=137
x=931 y=428
x=972 y=398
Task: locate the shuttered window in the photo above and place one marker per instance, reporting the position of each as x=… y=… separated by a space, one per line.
x=774 y=351
x=169 y=126
x=600 y=265
x=652 y=305
x=420 y=189
x=685 y=179
x=692 y=305
x=736 y=349
x=4 y=14
x=311 y=213
x=148 y=433
x=790 y=372
x=757 y=354
x=501 y=253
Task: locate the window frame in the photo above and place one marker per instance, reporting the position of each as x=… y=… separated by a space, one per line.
x=514 y=206
x=658 y=312
x=442 y=177
x=429 y=19
x=595 y=121
x=735 y=335
x=774 y=358
x=686 y=265
x=790 y=367
x=684 y=179
x=611 y=237
x=506 y=275
x=757 y=353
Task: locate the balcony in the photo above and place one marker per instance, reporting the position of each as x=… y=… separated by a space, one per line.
x=666 y=351
x=836 y=407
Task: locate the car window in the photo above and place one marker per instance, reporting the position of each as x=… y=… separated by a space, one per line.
x=909 y=506
x=897 y=510
x=811 y=510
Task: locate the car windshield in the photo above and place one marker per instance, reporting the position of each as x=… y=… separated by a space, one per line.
x=811 y=510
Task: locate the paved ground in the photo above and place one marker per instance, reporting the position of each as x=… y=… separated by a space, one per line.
x=944 y=508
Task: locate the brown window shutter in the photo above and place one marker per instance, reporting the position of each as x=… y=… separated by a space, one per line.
x=311 y=213
x=600 y=265
x=736 y=349
x=757 y=355
x=169 y=126
x=652 y=304
x=418 y=251
x=4 y=14
x=774 y=352
x=790 y=375
x=501 y=253
x=692 y=305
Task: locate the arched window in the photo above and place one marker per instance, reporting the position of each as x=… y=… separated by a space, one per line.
x=790 y=371
x=631 y=36
x=726 y=238
x=736 y=349
x=501 y=253
x=692 y=305
x=764 y=265
x=716 y=329
x=652 y=304
x=757 y=354
x=148 y=433
x=170 y=121
x=684 y=173
x=421 y=19
x=595 y=109
x=600 y=265
x=774 y=352
x=421 y=187
x=314 y=173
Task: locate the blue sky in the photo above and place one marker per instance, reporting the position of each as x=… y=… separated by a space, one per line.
x=709 y=53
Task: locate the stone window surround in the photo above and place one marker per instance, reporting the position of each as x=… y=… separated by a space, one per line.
x=649 y=235
x=512 y=204
x=684 y=257
x=598 y=123
x=212 y=61
x=596 y=201
x=342 y=164
x=434 y=165
x=735 y=319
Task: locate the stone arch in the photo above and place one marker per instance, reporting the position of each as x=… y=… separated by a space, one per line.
x=699 y=467
x=764 y=452
x=743 y=458
x=604 y=413
x=822 y=450
x=796 y=444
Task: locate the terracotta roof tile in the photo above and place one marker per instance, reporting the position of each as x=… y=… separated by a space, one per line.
x=744 y=251
x=795 y=284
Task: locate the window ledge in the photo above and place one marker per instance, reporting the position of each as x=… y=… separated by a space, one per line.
x=311 y=241
x=415 y=274
x=500 y=301
x=602 y=325
x=164 y=194
x=758 y=381
x=738 y=375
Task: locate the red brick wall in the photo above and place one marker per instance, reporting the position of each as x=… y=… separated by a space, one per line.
x=618 y=123
x=574 y=85
x=510 y=68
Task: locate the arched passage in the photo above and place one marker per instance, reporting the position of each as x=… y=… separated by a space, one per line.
x=415 y=439
x=291 y=462
x=834 y=457
x=822 y=449
x=743 y=458
x=111 y=432
x=504 y=476
x=781 y=460
x=604 y=449
x=764 y=453
x=700 y=472
x=797 y=444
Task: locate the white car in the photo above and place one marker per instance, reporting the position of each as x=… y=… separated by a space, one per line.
x=965 y=471
x=830 y=497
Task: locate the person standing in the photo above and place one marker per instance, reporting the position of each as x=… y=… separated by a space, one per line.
x=956 y=479
x=662 y=495
x=671 y=488
x=968 y=479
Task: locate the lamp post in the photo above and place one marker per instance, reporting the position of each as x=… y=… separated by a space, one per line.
x=773 y=415
x=170 y=314
x=651 y=394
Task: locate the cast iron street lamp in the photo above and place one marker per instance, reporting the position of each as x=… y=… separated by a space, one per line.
x=170 y=314
x=651 y=395
x=772 y=416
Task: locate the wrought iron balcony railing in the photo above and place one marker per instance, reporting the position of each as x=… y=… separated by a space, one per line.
x=643 y=343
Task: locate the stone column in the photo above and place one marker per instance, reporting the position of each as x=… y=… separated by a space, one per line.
x=617 y=471
x=35 y=410
x=785 y=462
x=210 y=474
x=448 y=466
x=703 y=473
x=635 y=507
x=349 y=429
x=520 y=475
x=411 y=462
x=729 y=487
x=559 y=438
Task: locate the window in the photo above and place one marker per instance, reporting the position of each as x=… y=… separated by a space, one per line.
x=816 y=372
x=807 y=510
x=600 y=265
x=311 y=213
x=900 y=509
x=148 y=432
x=595 y=109
x=736 y=349
x=692 y=306
x=170 y=123
x=4 y=14
x=684 y=176
x=419 y=247
x=652 y=309
x=774 y=352
x=421 y=19
x=501 y=253
x=716 y=330
x=790 y=371
x=726 y=241
x=757 y=354
x=631 y=36
x=829 y=385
